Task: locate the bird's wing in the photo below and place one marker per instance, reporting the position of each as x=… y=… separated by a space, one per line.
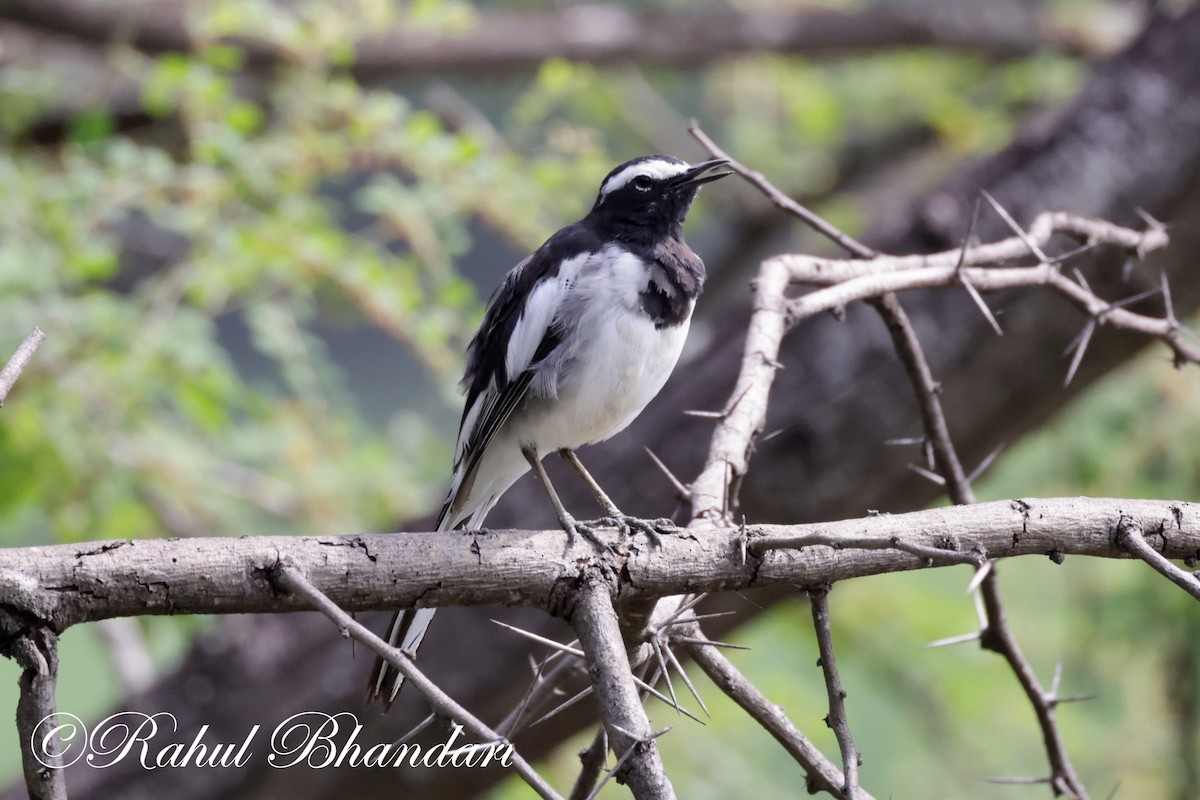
x=518 y=331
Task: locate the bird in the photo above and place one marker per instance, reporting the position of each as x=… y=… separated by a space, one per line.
x=575 y=342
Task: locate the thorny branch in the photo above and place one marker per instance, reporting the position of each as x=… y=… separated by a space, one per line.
x=819 y=600
x=625 y=721
x=872 y=277
x=442 y=704
x=996 y=635
x=823 y=774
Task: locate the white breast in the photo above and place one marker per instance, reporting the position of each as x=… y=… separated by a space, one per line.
x=622 y=362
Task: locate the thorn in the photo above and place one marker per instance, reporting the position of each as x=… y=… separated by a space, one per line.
x=657 y=646
x=684 y=607
x=983 y=307
x=422 y=725
x=687 y=681
x=698 y=617
x=1127 y=268
x=1150 y=221
x=952 y=640
x=1172 y=322
x=1019 y=781
x=1078 y=251
x=1080 y=348
x=1070 y=698
x=1017 y=229
x=1130 y=300
x=907 y=441
x=541 y=639
x=562 y=707
x=978 y=577
x=1081 y=280
x=987 y=462
x=980 y=611
x=675 y=482
x=709 y=643
x=928 y=475
x=647 y=687
x=1054 y=682
x=962 y=257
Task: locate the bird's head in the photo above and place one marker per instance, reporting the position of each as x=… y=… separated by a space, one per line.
x=654 y=191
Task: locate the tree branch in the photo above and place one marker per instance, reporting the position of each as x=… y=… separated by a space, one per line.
x=1132 y=537
x=625 y=720
x=63 y=585
x=36 y=651
x=442 y=704
x=997 y=636
x=20 y=359
x=823 y=774
x=500 y=42
x=819 y=599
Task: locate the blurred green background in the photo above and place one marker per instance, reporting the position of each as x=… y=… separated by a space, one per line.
x=256 y=301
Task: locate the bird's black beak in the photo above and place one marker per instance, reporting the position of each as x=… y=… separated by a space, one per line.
x=701 y=174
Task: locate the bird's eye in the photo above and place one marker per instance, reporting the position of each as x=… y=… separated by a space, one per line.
x=642 y=183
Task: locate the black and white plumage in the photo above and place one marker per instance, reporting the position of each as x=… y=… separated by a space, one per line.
x=576 y=341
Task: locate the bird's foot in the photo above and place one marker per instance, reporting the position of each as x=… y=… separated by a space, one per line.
x=587 y=530
x=627 y=526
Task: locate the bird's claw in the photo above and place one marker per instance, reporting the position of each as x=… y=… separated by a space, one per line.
x=585 y=529
x=627 y=526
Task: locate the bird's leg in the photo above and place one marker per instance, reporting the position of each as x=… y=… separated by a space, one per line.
x=567 y=521
x=622 y=521
x=606 y=503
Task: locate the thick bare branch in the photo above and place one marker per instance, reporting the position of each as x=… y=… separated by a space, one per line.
x=36 y=651
x=64 y=585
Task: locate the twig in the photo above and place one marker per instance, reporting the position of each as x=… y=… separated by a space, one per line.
x=851 y=760
x=439 y=701
x=937 y=432
x=998 y=638
x=823 y=774
x=591 y=759
x=625 y=720
x=780 y=199
x=20 y=359
x=929 y=555
x=1131 y=537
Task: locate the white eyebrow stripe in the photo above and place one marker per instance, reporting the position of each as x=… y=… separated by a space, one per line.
x=653 y=169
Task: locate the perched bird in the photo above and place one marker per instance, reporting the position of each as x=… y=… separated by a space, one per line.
x=579 y=337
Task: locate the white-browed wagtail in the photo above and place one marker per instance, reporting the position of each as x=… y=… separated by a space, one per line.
x=579 y=337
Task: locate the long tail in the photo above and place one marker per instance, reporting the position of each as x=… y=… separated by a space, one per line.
x=409 y=626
